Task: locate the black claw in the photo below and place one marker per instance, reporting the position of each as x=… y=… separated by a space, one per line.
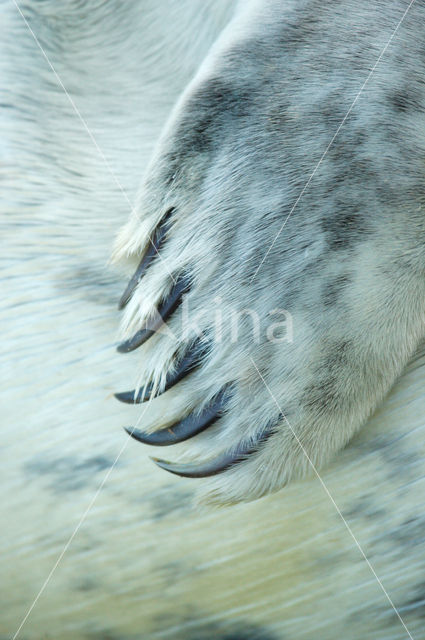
x=190 y=426
x=129 y=397
x=155 y=242
x=215 y=465
x=136 y=341
x=192 y=359
x=165 y=310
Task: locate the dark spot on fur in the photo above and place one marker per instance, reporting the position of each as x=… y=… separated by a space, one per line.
x=408 y=534
x=404 y=100
x=300 y=31
x=333 y=289
x=401 y=461
x=416 y=604
x=68 y=473
x=365 y=506
x=400 y=101
x=341 y=151
x=336 y=355
x=344 y=229
x=206 y=112
x=90 y=283
x=199 y=138
x=86 y=584
x=321 y=395
x=169 y=500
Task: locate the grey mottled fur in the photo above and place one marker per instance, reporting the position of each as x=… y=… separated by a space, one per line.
x=349 y=263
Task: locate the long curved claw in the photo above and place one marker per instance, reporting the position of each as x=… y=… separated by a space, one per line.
x=192 y=359
x=215 y=465
x=129 y=397
x=190 y=426
x=165 y=310
x=136 y=341
x=153 y=249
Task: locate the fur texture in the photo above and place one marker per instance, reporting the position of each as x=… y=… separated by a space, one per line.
x=143 y=562
x=349 y=263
